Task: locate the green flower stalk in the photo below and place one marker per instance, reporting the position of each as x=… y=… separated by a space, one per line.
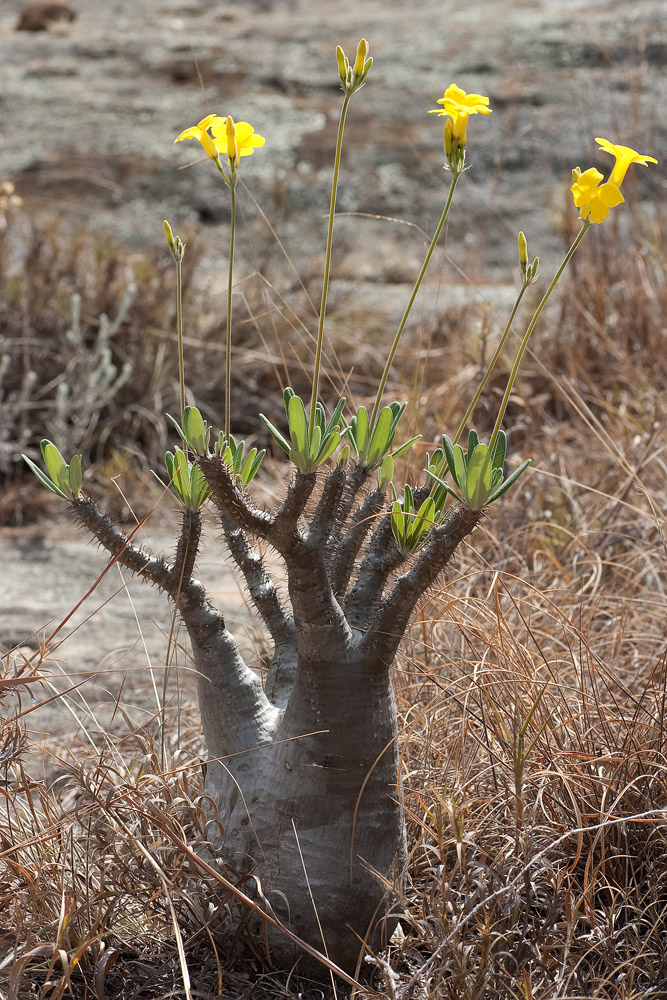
x=233 y=140
x=352 y=79
x=531 y=326
x=177 y=248
x=457 y=107
x=529 y=273
x=411 y=300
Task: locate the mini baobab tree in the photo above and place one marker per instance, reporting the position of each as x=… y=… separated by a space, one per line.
x=303 y=769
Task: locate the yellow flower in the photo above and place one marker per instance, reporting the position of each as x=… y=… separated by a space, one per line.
x=458 y=106
x=240 y=135
x=200 y=132
x=592 y=198
x=624 y=157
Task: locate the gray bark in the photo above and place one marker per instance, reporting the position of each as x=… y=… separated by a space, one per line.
x=304 y=773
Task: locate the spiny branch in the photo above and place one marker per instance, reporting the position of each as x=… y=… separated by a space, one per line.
x=350 y=545
x=355 y=480
x=116 y=542
x=393 y=616
x=233 y=502
x=381 y=560
x=284 y=532
x=327 y=506
x=261 y=587
x=188 y=545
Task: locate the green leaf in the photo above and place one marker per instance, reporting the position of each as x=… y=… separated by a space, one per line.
x=199 y=488
x=299 y=460
x=381 y=437
x=404 y=447
x=510 y=481
x=423 y=522
x=314 y=446
x=179 y=429
x=436 y=462
x=440 y=499
x=181 y=476
x=195 y=429
x=442 y=485
x=75 y=475
x=398 y=523
x=478 y=478
x=44 y=480
x=287 y=395
x=361 y=430
x=448 y=449
x=385 y=473
x=335 y=416
x=298 y=425
x=344 y=456
x=460 y=467
x=328 y=447
x=320 y=416
x=275 y=434
x=499 y=449
x=397 y=411
x=254 y=468
x=473 y=441
x=246 y=465
x=349 y=429
x=56 y=466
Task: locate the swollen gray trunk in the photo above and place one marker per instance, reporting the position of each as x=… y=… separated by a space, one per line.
x=304 y=771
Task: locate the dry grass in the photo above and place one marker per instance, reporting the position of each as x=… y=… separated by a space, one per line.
x=533 y=693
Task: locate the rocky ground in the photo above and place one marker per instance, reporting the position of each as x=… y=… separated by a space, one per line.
x=89 y=110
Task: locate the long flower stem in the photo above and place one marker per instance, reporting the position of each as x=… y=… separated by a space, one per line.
x=179 y=331
x=531 y=326
x=228 y=348
x=327 y=267
x=413 y=296
x=491 y=366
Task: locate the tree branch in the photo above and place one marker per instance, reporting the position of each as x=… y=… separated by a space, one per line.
x=285 y=527
x=117 y=543
x=232 y=502
x=327 y=507
x=355 y=480
x=261 y=587
x=350 y=545
x=188 y=545
x=392 y=618
x=381 y=560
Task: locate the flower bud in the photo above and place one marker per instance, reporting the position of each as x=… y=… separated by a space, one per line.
x=232 y=145
x=175 y=244
x=343 y=65
x=169 y=234
x=448 y=137
x=532 y=271
x=523 y=252
x=360 y=61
